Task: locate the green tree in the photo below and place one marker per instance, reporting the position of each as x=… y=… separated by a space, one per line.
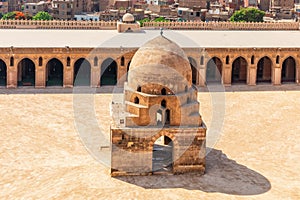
x=42 y=15
x=248 y=15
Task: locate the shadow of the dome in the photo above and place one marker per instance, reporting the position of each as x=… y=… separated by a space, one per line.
x=222 y=175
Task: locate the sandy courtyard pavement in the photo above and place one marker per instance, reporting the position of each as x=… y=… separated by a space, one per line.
x=256 y=154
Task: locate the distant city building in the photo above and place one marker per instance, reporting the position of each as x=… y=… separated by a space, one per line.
x=250 y=3
x=62 y=9
x=34 y=8
x=264 y=5
x=193 y=3
x=13 y=5
x=87 y=17
x=3 y=6
x=288 y=4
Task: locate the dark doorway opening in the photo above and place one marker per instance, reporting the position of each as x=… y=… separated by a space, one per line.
x=264 y=70
x=109 y=72
x=162 y=156
x=214 y=71
x=239 y=71
x=54 y=73
x=193 y=64
x=26 y=72
x=3 y=73
x=82 y=73
x=288 y=73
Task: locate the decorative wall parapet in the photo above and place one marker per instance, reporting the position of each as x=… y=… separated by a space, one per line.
x=112 y=25
x=223 y=25
x=57 y=24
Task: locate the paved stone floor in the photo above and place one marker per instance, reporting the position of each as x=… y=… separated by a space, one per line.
x=255 y=155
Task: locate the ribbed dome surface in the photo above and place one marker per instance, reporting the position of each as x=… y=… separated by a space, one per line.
x=160 y=61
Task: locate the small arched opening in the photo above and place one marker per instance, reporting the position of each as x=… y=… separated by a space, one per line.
x=40 y=61
x=11 y=61
x=122 y=61
x=95 y=61
x=163 y=103
x=68 y=61
x=163 y=91
x=162 y=156
x=136 y=100
x=139 y=89
x=288 y=72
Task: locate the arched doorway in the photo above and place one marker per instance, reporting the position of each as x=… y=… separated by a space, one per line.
x=288 y=72
x=239 y=70
x=194 y=69
x=82 y=72
x=109 y=72
x=3 y=73
x=26 y=72
x=214 y=70
x=162 y=156
x=54 y=73
x=264 y=70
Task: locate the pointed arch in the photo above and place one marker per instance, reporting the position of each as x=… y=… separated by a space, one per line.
x=3 y=73
x=239 y=70
x=82 y=72
x=264 y=70
x=55 y=72
x=214 y=70
x=109 y=72
x=26 y=72
x=288 y=71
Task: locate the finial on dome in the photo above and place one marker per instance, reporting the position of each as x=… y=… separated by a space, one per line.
x=161 y=31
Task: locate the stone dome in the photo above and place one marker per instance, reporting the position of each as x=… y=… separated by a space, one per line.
x=162 y=62
x=128 y=18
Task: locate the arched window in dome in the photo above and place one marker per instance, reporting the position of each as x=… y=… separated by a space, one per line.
x=163 y=91
x=40 y=61
x=136 y=100
x=167 y=122
x=139 y=89
x=122 y=61
x=95 y=61
x=163 y=103
x=188 y=100
x=227 y=60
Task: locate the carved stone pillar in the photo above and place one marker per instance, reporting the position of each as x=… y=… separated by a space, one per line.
x=40 y=76
x=251 y=77
x=226 y=75
x=276 y=75
x=12 y=77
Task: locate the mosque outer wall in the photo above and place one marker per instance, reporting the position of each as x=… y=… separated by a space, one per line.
x=199 y=56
